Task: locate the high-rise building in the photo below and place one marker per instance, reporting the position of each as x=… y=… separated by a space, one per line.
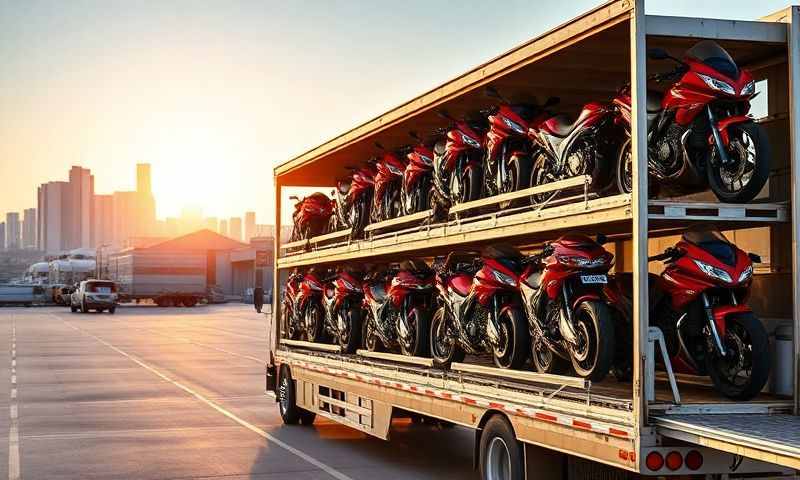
x=235 y=226
x=12 y=231
x=2 y=236
x=29 y=228
x=223 y=227
x=52 y=207
x=81 y=208
x=143 y=184
x=249 y=225
x=125 y=216
x=103 y=220
x=146 y=203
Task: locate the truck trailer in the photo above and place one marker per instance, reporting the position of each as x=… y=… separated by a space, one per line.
x=168 y=278
x=531 y=425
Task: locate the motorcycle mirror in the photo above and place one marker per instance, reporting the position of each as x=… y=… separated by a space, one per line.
x=492 y=92
x=293 y=197
x=413 y=134
x=445 y=115
x=380 y=145
x=602 y=239
x=754 y=257
x=656 y=53
x=552 y=101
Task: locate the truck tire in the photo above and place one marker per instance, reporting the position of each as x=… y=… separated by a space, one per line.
x=112 y=310
x=84 y=309
x=189 y=302
x=73 y=308
x=291 y=414
x=501 y=456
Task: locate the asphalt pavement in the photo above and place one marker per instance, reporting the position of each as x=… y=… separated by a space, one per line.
x=178 y=393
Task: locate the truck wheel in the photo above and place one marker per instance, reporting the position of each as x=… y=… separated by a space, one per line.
x=189 y=302
x=112 y=310
x=291 y=414
x=73 y=308
x=84 y=309
x=501 y=456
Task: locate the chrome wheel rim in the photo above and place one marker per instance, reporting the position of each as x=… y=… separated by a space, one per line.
x=743 y=149
x=498 y=464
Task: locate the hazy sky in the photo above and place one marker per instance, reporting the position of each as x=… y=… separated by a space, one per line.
x=213 y=93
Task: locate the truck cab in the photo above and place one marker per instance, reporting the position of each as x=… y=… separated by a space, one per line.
x=97 y=295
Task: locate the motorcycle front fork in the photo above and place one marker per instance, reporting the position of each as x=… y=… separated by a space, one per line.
x=723 y=154
x=712 y=325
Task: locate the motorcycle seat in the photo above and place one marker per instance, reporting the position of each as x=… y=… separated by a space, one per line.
x=561 y=125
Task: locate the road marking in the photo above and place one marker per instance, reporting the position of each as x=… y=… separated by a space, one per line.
x=294 y=451
x=13 y=429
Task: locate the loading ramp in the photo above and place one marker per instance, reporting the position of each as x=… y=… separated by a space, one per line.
x=759 y=436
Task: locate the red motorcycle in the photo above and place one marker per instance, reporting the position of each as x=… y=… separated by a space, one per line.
x=507 y=159
x=700 y=303
x=311 y=216
x=565 y=148
x=353 y=200
x=700 y=132
x=417 y=192
x=386 y=203
x=567 y=308
x=457 y=170
x=479 y=308
x=302 y=314
x=398 y=303
x=342 y=300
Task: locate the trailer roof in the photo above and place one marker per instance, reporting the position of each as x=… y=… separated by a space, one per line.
x=584 y=59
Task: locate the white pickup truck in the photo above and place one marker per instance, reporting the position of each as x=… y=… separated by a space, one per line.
x=99 y=295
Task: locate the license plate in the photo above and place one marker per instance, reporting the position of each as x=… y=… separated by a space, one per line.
x=594 y=279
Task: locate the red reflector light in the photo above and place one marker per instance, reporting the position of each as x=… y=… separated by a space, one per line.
x=694 y=460
x=674 y=461
x=654 y=461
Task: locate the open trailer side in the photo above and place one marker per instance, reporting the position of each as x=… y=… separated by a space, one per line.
x=625 y=425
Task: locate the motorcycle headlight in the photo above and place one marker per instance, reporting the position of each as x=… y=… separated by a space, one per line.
x=470 y=141
x=749 y=89
x=747 y=273
x=583 y=262
x=394 y=169
x=717 y=84
x=503 y=278
x=713 y=271
x=514 y=126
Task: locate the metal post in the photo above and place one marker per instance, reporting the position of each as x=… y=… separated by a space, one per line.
x=793 y=40
x=639 y=210
x=275 y=334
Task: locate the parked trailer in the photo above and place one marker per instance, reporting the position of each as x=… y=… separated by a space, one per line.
x=553 y=426
x=26 y=295
x=168 y=278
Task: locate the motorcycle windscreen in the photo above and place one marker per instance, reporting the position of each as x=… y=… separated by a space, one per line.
x=714 y=243
x=711 y=54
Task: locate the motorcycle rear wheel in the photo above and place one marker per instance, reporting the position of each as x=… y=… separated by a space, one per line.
x=747 y=338
x=519 y=172
x=444 y=349
x=513 y=350
x=470 y=188
x=350 y=338
x=625 y=167
x=541 y=174
x=749 y=152
x=368 y=336
x=417 y=345
x=315 y=323
x=593 y=357
x=545 y=360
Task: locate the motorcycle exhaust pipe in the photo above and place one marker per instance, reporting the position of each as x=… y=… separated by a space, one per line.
x=723 y=154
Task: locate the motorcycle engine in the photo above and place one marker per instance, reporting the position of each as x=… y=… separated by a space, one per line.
x=668 y=150
x=476 y=326
x=580 y=159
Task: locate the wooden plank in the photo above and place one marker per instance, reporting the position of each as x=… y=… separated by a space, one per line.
x=395 y=357
x=595 y=20
x=579 y=181
x=296 y=244
x=535 y=377
x=323 y=347
x=330 y=236
x=402 y=220
x=717 y=29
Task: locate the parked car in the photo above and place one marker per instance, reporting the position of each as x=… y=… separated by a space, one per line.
x=99 y=295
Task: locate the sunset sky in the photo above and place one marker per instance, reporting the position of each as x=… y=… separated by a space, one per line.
x=214 y=93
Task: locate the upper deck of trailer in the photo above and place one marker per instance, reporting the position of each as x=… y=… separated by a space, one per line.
x=585 y=59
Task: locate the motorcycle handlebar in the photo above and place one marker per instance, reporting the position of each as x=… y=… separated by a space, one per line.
x=670 y=253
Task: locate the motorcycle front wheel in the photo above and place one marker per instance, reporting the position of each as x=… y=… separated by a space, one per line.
x=416 y=343
x=513 y=349
x=470 y=185
x=444 y=348
x=519 y=178
x=315 y=323
x=748 y=150
x=593 y=355
x=350 y=336
x=625 y=167
x=371 y=341
x=541 y=174
x=744 y=370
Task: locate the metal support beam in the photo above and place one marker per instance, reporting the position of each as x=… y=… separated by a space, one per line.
x=277 y=281
x=794 y=130
x=658 y=25
x=639 y=211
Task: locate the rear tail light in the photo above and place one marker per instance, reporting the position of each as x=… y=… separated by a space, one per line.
x=654 y=461
x=674 y=461
x=694 y=460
